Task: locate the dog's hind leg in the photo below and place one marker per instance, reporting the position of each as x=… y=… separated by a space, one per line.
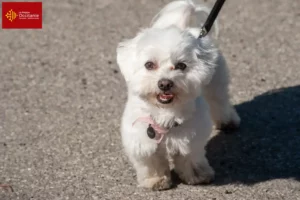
x=216 y=94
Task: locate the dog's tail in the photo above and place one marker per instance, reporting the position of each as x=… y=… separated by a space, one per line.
x=180 y=13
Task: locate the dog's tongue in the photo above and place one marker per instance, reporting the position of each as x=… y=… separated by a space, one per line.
x=166 y=96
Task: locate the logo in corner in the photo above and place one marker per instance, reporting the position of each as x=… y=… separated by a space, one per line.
x=22 y=15
x=11 y=15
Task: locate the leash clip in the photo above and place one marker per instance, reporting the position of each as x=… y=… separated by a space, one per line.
x=211 y=18
x=203 y=32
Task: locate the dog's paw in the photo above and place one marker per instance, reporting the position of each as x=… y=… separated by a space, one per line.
x=204 y=173
x=157 y=183
x=231 y=124
x=199 y=175
x=163 y=184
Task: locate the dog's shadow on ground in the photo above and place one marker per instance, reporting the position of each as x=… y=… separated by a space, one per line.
x=266 y=147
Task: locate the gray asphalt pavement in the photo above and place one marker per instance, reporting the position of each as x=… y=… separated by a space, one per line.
x=62 y=96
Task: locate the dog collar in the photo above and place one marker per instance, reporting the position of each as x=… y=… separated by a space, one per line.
x=154 y=131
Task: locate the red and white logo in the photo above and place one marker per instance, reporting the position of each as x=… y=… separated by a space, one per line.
x=22 y=15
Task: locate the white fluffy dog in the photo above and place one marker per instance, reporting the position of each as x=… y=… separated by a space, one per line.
x=177 y=85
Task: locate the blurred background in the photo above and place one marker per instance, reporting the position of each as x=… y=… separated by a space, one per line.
x=62 y=96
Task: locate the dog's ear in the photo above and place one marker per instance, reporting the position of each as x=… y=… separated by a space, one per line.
x=208 y=57
x=126 y=57
x=184 y=14
x=176 y=13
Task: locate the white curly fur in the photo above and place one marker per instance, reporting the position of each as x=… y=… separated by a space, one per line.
x=201 y=93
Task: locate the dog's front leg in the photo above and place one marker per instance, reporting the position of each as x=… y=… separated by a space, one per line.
x=153 y=171
x=193 y=169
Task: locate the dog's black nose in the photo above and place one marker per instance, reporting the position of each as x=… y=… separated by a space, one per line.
x=165 y=84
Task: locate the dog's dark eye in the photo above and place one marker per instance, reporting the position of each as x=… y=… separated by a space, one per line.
x=149 y=65
x=180 y=66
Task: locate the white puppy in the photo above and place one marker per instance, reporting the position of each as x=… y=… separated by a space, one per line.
x=170 y=75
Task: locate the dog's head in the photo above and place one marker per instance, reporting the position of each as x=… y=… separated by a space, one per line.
x=166 y=64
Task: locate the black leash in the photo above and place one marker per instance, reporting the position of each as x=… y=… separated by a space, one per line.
x=211 y=18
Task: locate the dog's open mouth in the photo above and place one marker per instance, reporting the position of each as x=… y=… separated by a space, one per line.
x=165 y=97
